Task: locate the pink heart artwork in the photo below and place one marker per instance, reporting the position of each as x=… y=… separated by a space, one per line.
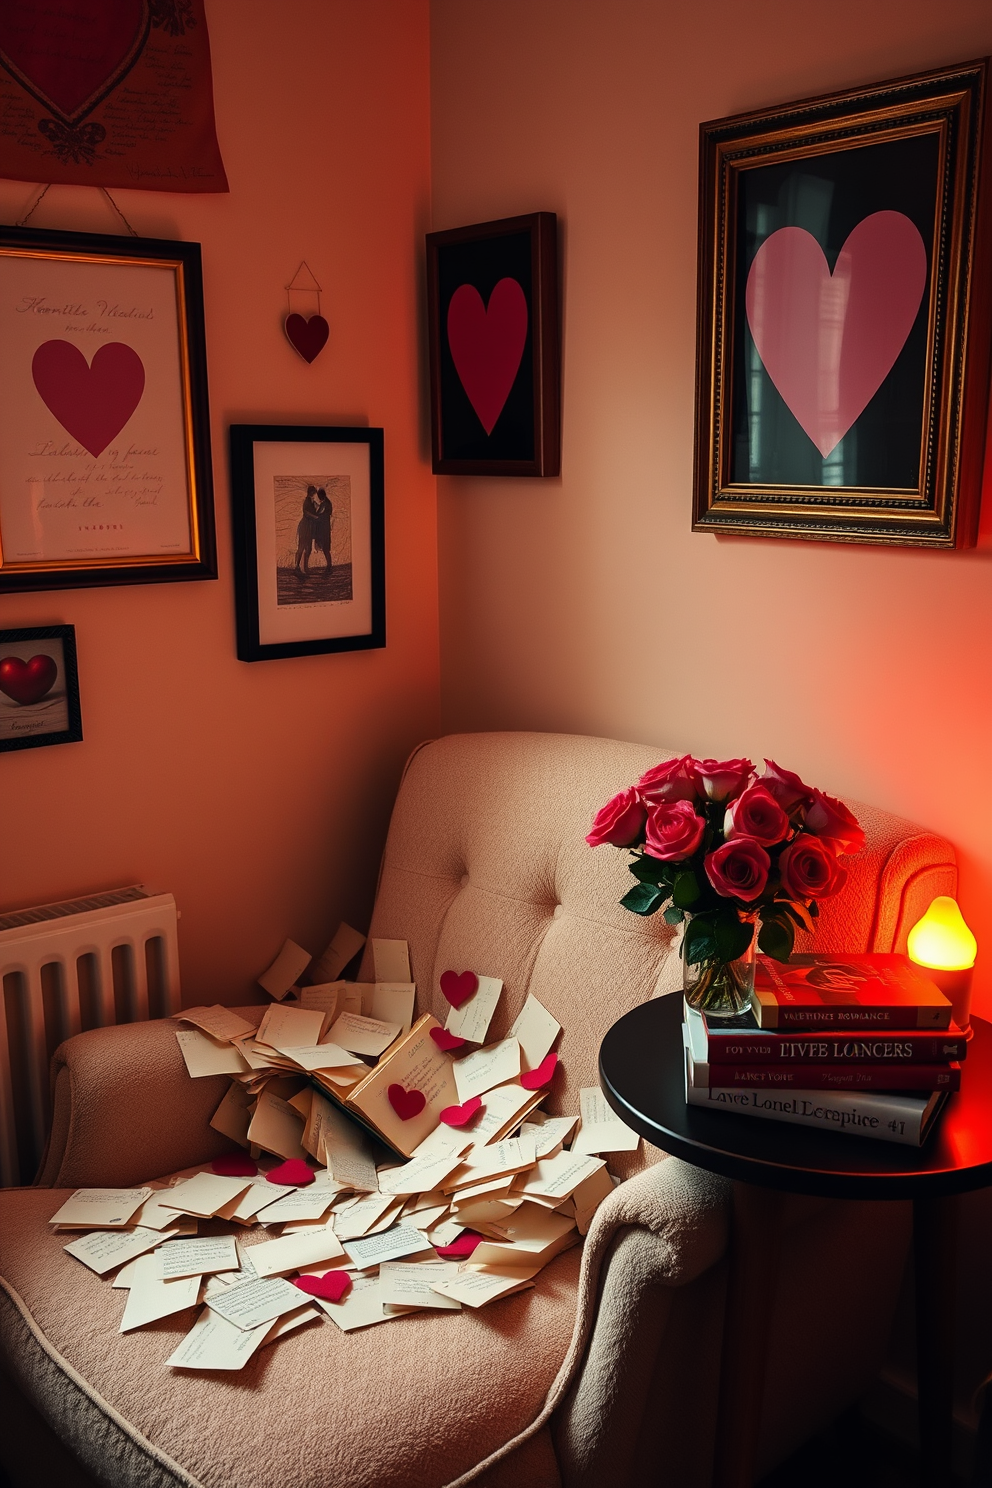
x=92 y=402
x=332 y=1285
x=463 y=1246
x=458 y=988
x=441 y=1036
x=27 y=681
x=100 y=42
x=307 y=336
x=235 y=1165
x=294 y=1173
x=406 y=1103
x=487 y=344
x=829 y=340
x=541 y=1074
x=461 y=1115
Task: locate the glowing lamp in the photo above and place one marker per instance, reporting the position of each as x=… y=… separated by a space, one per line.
x=942 y=943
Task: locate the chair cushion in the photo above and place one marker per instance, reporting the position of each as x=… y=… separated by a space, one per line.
x=406 y=1404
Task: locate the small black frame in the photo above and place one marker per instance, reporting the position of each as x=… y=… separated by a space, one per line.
x=67 y=716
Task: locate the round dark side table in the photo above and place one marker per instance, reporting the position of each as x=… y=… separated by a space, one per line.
x=642 y=1072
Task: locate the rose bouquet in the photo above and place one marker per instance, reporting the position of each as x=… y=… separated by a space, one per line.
x=724 y=850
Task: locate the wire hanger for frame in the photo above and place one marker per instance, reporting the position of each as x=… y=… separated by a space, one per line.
x=307 y=334
x=23 y=221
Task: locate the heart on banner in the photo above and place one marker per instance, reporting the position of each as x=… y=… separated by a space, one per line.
x=27 y=681
x=487 y=344
x=99 y=42
x=92 y=402
x=829 y=341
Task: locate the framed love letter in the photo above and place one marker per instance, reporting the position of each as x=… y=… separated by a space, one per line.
x=492 y=294
x=39 y=691
x=105 y=471
x=845 y=291
x=307 y=505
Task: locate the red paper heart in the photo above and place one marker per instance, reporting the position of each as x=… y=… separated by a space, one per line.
x=487 y=344
x=71 y=62
x=461 y=1115
x=459 y=988
x=308 y=336
x=535 y=1078
x=406 y=1103
x=463 y=1246
x=27 y=681
x=235 y=1165
x=92 y=402
x=441 y=1036
x=294 y=1173
x=332 y=1285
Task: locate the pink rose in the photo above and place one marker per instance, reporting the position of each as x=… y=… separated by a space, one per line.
x=758 y=815
x=830 y=818
x=672 y=780
x=722 y=778
x=738 y=869
x=674 y=831
x=785 y=786
x=810 y=870
x=620 y=822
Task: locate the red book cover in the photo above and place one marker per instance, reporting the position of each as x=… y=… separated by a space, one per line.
x=847 y=992
x=741 y=1041
x=830 y=1077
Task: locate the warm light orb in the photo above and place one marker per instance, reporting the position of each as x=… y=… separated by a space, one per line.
x=942 y=939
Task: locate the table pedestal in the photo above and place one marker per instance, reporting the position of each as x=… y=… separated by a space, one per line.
x=934 y=1235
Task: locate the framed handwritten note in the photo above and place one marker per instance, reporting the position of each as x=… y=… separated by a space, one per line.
x=105 y=473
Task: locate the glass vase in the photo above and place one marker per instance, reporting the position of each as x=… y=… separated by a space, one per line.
x=720 y=989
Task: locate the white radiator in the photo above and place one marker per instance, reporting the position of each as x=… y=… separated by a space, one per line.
x=85 y=963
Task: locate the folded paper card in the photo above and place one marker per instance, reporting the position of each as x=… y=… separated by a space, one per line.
x=487 y=1067
x=214 y=1343
x=204 y=1194
x=221 y=1023
x=470 y=1021
x=294 y=1252
x=392 y=1002
x=290 y=964
x=287 y=1025
x=535 y=1030
x=204 y=1056
x=411 y=1284
x=260 y=1300
x=362 y=1035
x=108 y=1208
x=391 y=961
x=344 y=947
x=391 y=1245
x=103 y=1250
x=150 y=1298
x=198 y=1257
x=602 y=1130
x=277 y=1127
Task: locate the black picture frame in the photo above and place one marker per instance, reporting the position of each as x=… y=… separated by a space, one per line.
x=177 y=363
x=265 y=620
x=499 y=411
x=61 y=713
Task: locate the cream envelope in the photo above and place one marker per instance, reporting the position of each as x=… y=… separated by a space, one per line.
x=390 y=1245
x=392 y=1002
x=323 y=1057
x=530 y=1234
x=290 y=964
x=359 y=1308
x=550 y=1134
x=200 y=1257
x=103 y=1208
x=204 y=1056
x=214 y=1343
x=296 y=1027
x=151 y=1298
x=276 y=1127
x=602 y=1130
x=535 y=1030
x=344 y=946
x=476 y=1288
x=233 y=1115
x=102 y=1250
x=204 y=1194
x=362 y=1035
x=361 y=1218
x=557 y=1177
x=261 y=1300
x=503 y=1109
x=487 y=1067
x=589 y=1195
x=391 y=961
x=500 y=1159
x=471 y=1021
x=293 y=1252
x=420 y=1174
x=219 y=1022
x=410 y=1284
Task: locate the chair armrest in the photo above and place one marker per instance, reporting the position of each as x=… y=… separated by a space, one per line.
x=125 y=1108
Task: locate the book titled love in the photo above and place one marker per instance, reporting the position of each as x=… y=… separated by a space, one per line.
x=855 y=992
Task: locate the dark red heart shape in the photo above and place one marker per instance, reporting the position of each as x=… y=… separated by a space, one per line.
x=406 y=1103
x=487 y=343
x=535 y=1078
x=294 y=1173
x=235 y=1165
x=461 y=1115
x=463 y=1246
x=332 y=1285
x=446 y=1040
x=92 y=402
x=27 y=681
x=459 y=988
x=96 y=44
x=307 y=336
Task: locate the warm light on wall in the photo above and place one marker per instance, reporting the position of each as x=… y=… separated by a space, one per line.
x=942 y=943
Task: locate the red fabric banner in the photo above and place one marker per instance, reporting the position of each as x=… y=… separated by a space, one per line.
x=108 y=93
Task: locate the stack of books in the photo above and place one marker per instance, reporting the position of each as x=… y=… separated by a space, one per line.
x=858 y=1044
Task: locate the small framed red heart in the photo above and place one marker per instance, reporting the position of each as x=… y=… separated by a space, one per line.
x=461 y=1115
x=463 y=1246
x=406 y=1103
x=458 y=987
x=332 y=1286
x=535 y=1078
x=27 y=682
x=234 y=1165
x=294 y=1173
x=446 y=1040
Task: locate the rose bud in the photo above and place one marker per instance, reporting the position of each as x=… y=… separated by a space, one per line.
x=810 y=870
x=722 y=778
x=827 y=817
x=738 y=869
x=620 y=822
x=785 y=786
x=674 y=831
x=672 y=780
x=756 y=814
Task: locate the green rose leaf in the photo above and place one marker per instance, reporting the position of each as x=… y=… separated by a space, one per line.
x=649 y=870
x=644 y=899
x=673 y=915
x=776 y=939
x=700 y=940
x=733 y=937
x=799 y=913
x=685 y=891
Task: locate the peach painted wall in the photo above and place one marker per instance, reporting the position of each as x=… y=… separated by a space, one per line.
x=259 y=793
x=586 y=603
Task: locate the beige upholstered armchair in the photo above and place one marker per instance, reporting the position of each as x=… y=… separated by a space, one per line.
x=605 y=1373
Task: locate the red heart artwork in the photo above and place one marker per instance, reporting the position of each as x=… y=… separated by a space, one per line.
x=27 y=681
x=441 y=1036
x=294 y=1173
x=463 y=1246
x=92 y=403
x=829 y=340
x=308 y=336
x=235 y=1165
x=535 y=1078
x=99 y=41
x=461 y=1115
x=487 y=343
x=332 y=1285
x=458 y=989
x=406 y=1103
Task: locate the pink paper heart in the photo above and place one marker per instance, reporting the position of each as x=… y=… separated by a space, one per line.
x=332 y=1285
x=461 y=1115
x=535 y=1078
x=92 y=401
x=307 y=336
x=446 y=1040
x=487 y=344
x=406 y=1103
x=829 y=340
x=293 y=1173
x=458 y=988
x=235 y=1165
x=463 y=1246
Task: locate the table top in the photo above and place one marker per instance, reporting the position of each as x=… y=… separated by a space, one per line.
x=641 y=1067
